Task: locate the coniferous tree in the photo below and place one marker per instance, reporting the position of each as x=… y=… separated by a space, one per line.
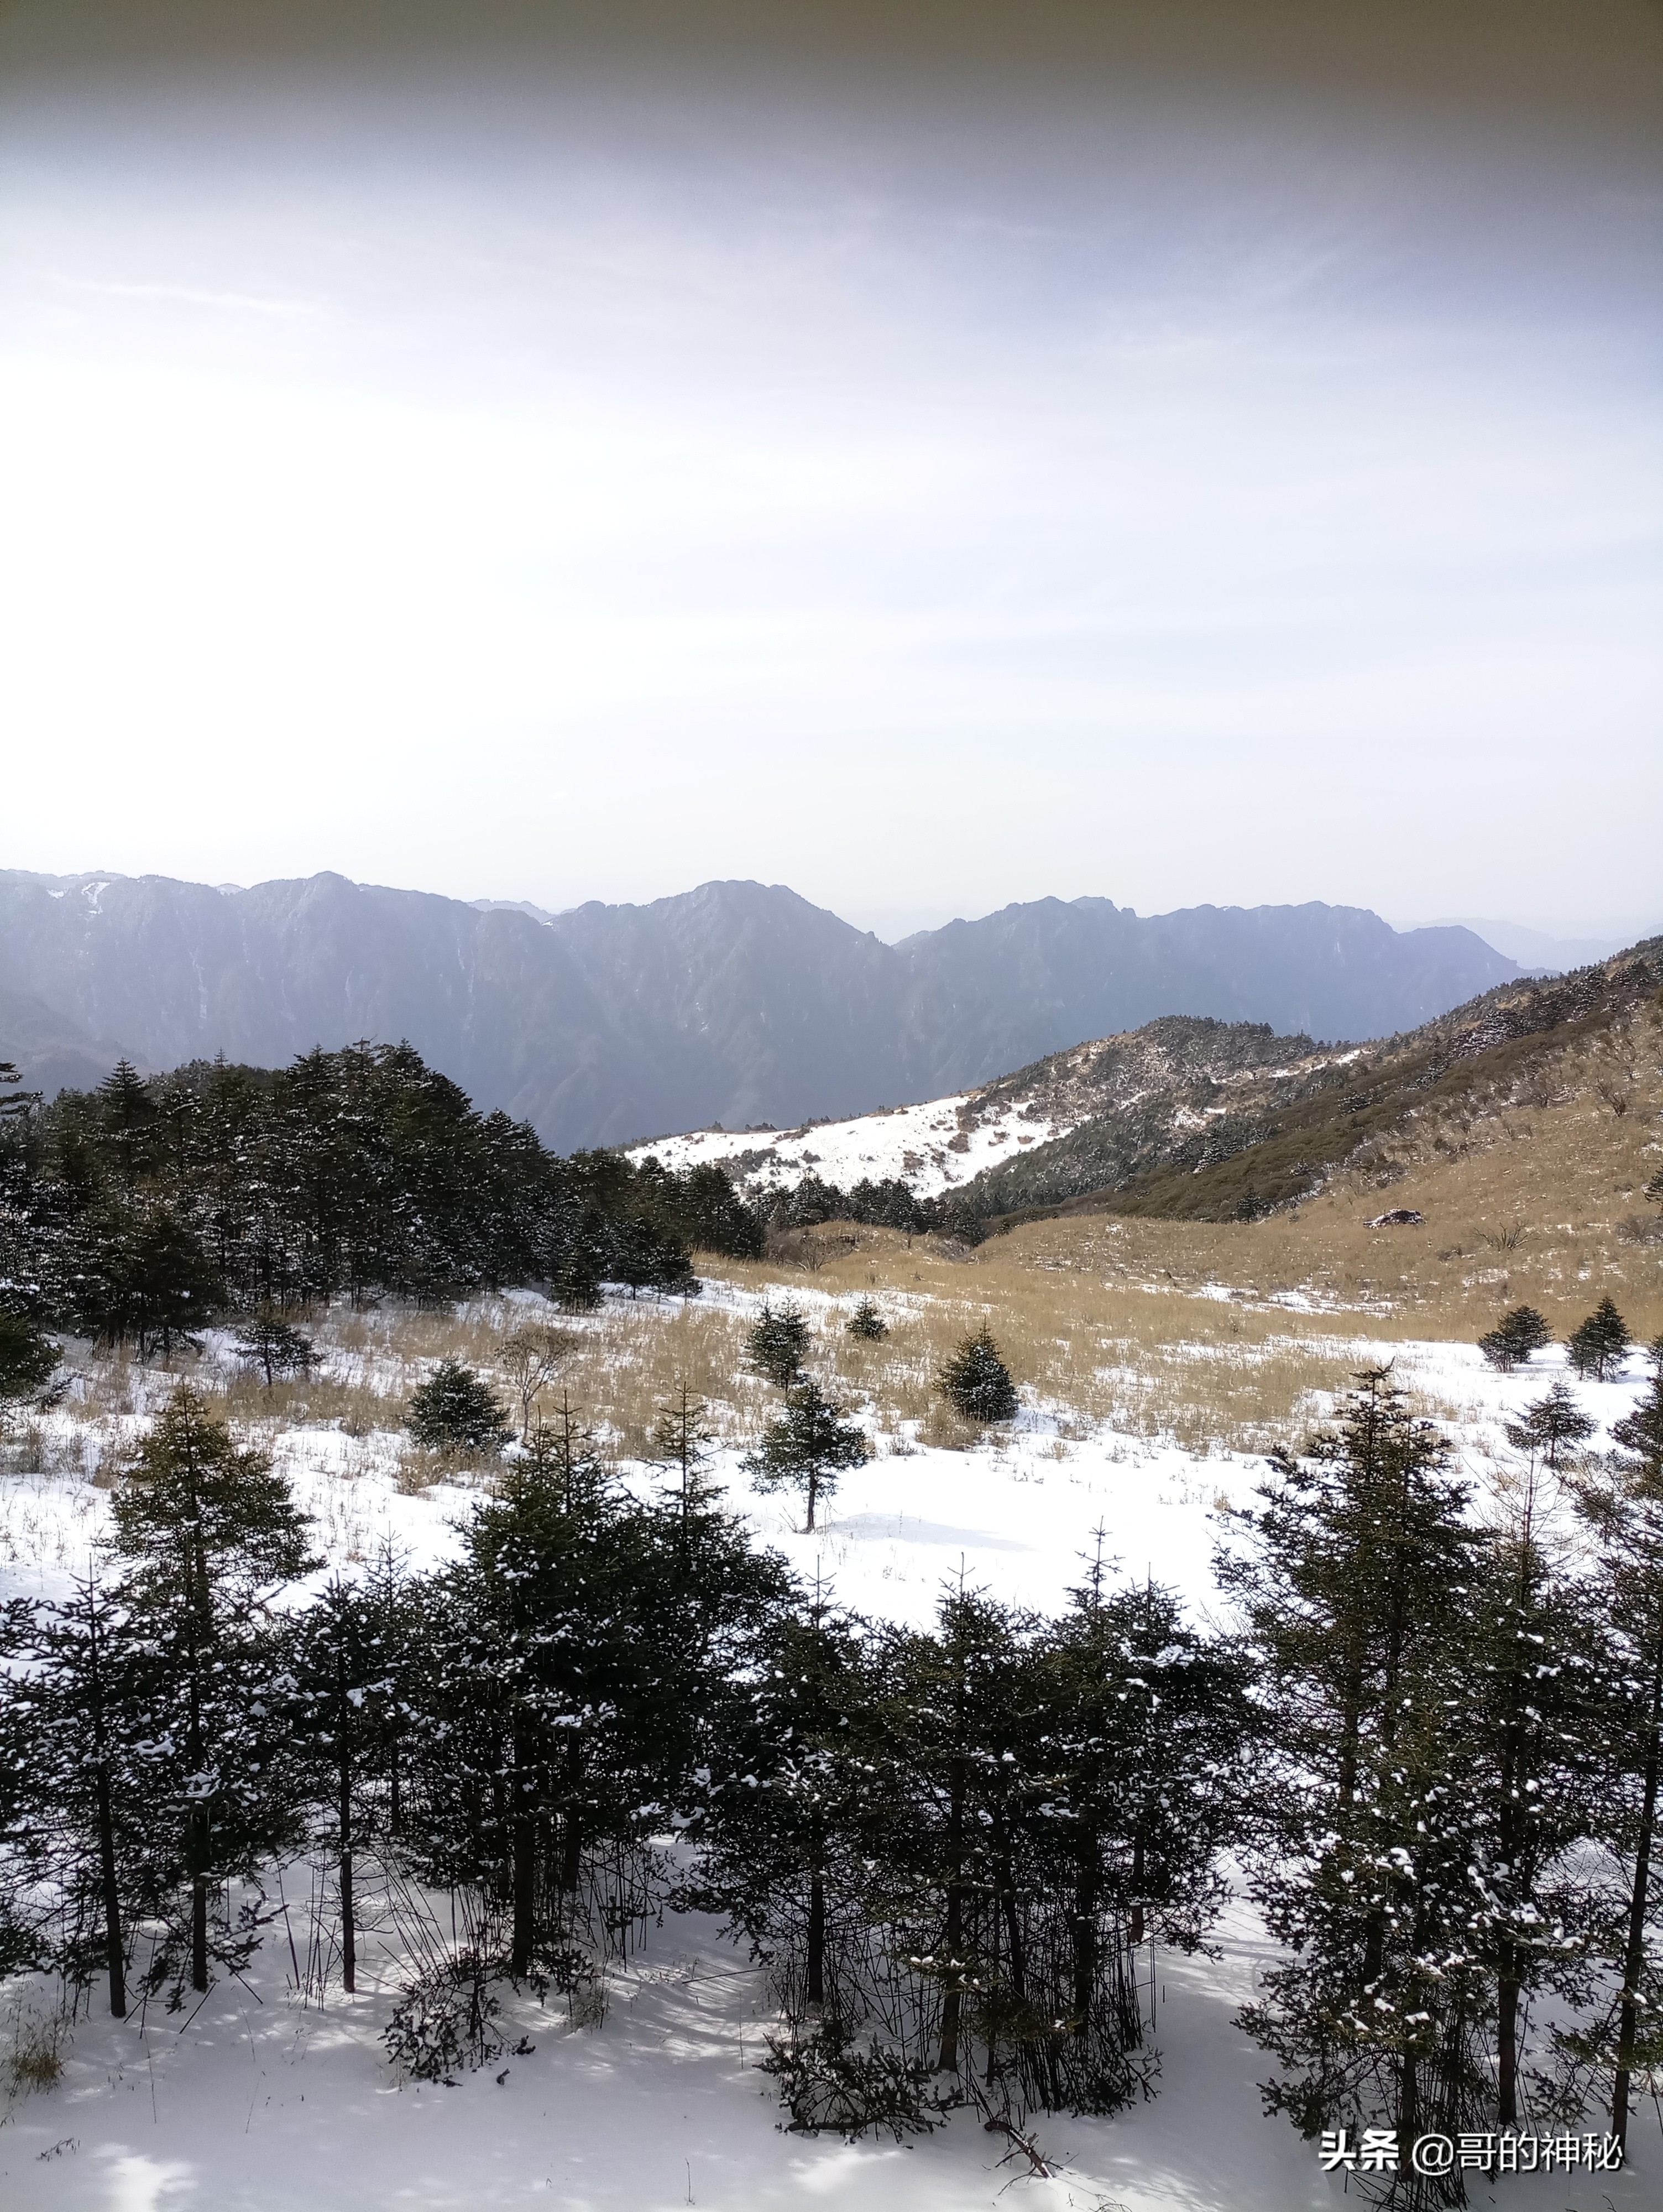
x=681 y=1442
x=1354 y=1593
x=1146 y=1726
x=976 y=1382
x=455 y=1410
x=79 y=1866
x=1623 y=1505
x=127 y=1116
x=776 y=1345
x=806 y=1449
x=1551 y=1429
x=274 y=1345
x=1532 y=1654
x=28 y=1358
x=867 y=1323
x=1596 y=1347
x=205 y=1533
x=340 y=1686
x=1515 y=1337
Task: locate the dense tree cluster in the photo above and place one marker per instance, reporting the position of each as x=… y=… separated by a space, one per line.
x=140 y=1211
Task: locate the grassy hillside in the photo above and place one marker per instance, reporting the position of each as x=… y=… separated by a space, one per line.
x=1212 y=1151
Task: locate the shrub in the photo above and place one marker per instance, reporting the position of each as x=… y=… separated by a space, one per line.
x=867 y=1323
x=454 y=1410
x=976 y=1382
x=826 y=2084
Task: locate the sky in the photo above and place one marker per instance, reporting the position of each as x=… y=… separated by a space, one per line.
x=929 y=456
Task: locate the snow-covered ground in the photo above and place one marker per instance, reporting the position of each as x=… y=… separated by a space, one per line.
x=928 y=1148
x=257 y=2103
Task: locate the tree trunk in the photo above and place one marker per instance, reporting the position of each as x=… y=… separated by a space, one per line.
x=816 y=1938
x=1086 y=1925
x=947 y=2062
x=814 y=1486
x=114 y=1954
x=1506 y=2037
x=349 y=1934
x=1634 y=1955
x=571 y=1858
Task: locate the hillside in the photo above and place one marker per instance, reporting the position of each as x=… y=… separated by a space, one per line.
x=739 y=1003
x=1123 y=1099
x=1202 y=1152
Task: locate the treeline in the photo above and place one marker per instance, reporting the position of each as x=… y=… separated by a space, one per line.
x=1435 y=1742
x=140 y=1210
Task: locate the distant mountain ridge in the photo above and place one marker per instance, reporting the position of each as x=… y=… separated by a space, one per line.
x=736 y=1002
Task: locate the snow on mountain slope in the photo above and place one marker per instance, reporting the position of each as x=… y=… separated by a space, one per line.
x=931 y=1147
x=1176 y=1072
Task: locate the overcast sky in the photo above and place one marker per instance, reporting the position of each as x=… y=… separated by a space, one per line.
x=1176 y=455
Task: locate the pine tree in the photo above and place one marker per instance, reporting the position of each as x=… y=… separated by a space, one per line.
x=340 y=1686
x=867 y=1323
x=206 y=1533
x=1353 y=1590
x=976 y=1382
x=276 y=1345
x=1531 y=1661
x=128 y=1114
x=28 y=1358
x=1596 y=1347
x=806 y=1449
x=454 y=1410
x=1146 y=1726
x=681 y=1443
x=79 y=1869
x=1552 y=1428
x=1515 y=1337
x=776 y=1345
x=1624 y=1506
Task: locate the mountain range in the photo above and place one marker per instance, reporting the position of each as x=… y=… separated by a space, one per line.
x=737 y=1003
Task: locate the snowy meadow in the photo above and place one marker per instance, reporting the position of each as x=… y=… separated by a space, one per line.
x=640 y=2087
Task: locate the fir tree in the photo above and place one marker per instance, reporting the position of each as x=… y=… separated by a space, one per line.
x=28 y=1358
x=867 y=1323
x=1146 y=1729
x=1596 y=1347
x=455 y=1411
x=776 y=1345
x=1551 y=1429
x=1530 y=1664
x=1515 y=1337
x=806 y=1449
x=127 y=1113
x=206 y=1532
x=1624 y=1506
x=80 y=1867
x=340 y=1687
x=277 y=1346
x=976 y=1382
x=1353 y=1590
x=681 y=1444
